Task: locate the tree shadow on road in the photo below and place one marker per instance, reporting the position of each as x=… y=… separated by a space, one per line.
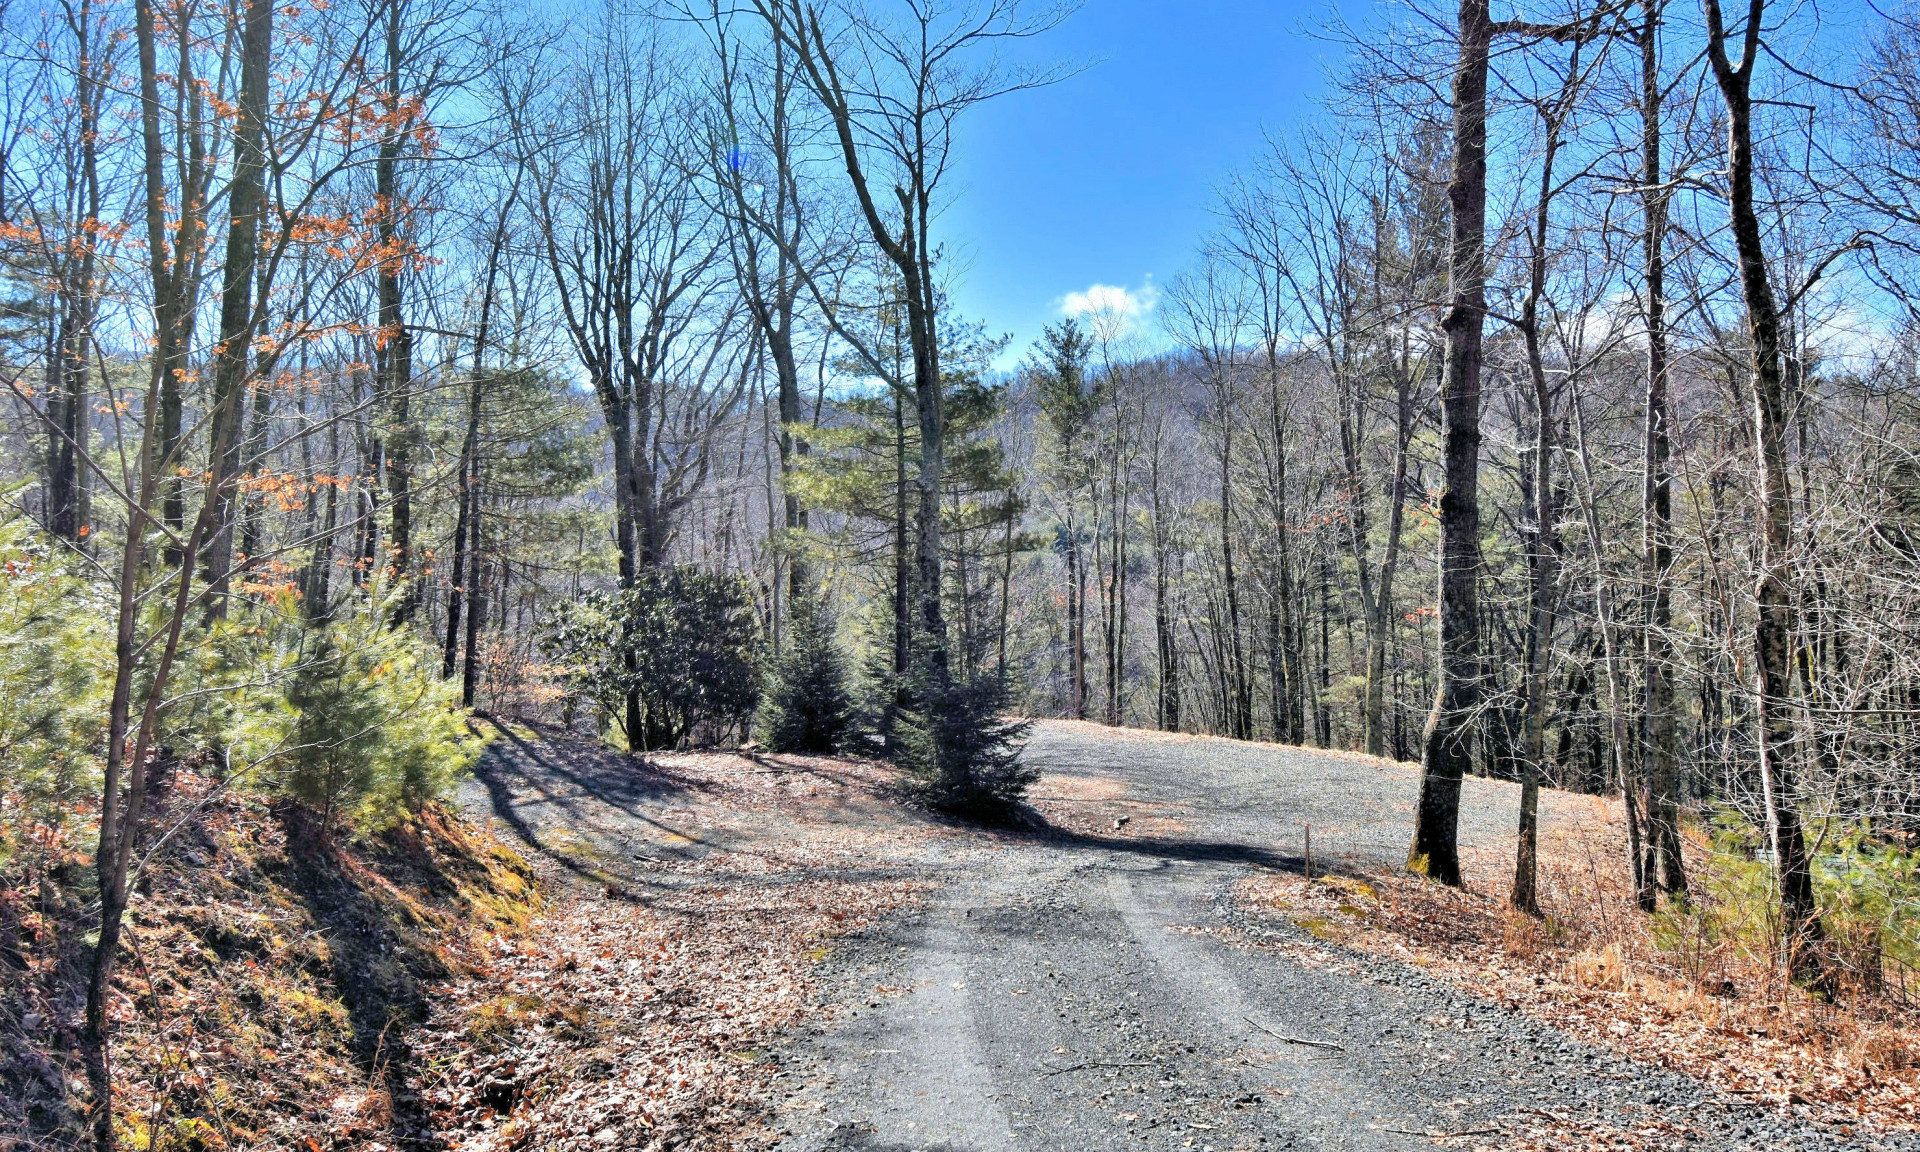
x=558 y=793
x=1033 y=824
x=520 y=775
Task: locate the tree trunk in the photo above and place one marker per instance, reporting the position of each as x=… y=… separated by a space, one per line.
x=1322 y=713
x=393 y=344
x=1657 y=656
x=1359 y=539
x=1286 y=658
x=1076 y=619
x=1006 y=580
x=253 y=504
x=246 y=202
x=1380 y=623
x=902 y=563
x=373 y=469
x=1610 y=645
x=787 y=373
x=930 y=409
x=1165 y=651
x=1543 y=509
x=1116 y=582
x=316 y=591
x=636 y=528
x=477 y=601
x=469 y=478
x=1774 y=616
x=463 y=515
x=69 y=404
x=173 y=268
x=1448 y=750
x=1239 y=704
x=1543 y=570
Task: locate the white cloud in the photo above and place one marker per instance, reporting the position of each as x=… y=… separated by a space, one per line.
x=1110 y=310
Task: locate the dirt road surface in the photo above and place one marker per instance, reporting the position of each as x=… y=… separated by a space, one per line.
x=1093 y=984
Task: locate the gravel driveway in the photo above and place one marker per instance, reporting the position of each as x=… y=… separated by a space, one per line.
x=1101 y=991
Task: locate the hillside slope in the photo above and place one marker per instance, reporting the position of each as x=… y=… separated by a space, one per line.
x=274 y=982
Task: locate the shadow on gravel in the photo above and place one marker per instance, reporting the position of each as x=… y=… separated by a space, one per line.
x=1032 y=824
x=549 y=788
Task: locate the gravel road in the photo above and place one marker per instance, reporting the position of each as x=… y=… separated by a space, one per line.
x=1094 y=992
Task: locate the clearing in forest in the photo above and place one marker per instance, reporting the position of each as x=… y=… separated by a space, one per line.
x=772 y=950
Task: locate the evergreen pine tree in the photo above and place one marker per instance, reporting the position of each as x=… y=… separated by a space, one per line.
x=953 y=742
x=807 y=707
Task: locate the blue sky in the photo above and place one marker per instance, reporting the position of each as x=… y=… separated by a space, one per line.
x=1109 y=176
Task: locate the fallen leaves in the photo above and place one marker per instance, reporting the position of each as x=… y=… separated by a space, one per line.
x=682 y=981
x=1595 y=975
x=270 y=978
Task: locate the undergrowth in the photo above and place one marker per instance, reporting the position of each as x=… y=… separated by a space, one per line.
x=1697 y=987
x=273 y=977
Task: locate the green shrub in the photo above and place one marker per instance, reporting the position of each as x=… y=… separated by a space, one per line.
x=56 y=670
x=344 y=717
x=953 y=743
x=1868 y=893
x=228 y=707
x=374 y=734
x=806 y=707
x=1733 y=909
x=682 y=641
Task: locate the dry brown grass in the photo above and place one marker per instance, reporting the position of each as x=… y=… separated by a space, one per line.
x=1684 y=991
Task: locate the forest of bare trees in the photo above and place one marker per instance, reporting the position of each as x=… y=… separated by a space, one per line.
x=1547 y=409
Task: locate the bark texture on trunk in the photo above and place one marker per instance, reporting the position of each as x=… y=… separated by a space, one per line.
x=1774 y=598
x=1658 y=734
x=69 y=400
x=393 y=343
x=1544 y=573
x=246 y=202
x=1448 y=744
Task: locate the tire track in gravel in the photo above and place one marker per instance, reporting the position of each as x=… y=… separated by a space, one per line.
x=1102 y=991
x=950 y=1091
x=1295 y=1072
